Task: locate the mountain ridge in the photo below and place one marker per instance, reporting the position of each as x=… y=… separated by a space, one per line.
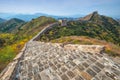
x=95 y=26
x=28 y=17
x=11 y=25
x=96 y=17
x=2 y=20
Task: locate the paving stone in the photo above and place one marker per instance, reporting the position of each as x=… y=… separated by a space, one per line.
x=84 y=57
x=55 y=62
x=89 y=53
x=63 y=69
x=46 y=61
x=68 y=65
x=95 y=78
x=93 y=60
x=115 y=71
x=70 y=58
x=100 y=65
x=80 y=67
x=91 y=72
x=79 y=78
x=96 y=69
x=85 y=64
x=58 y=65
x=35 y=70
x=37 y=77
x=89 y=62
x=30 y=74
x=70 y=74
x=50 y=63
x=111 y=75
x=64 y=77
x=40 y=65
x=99 y=55
x=46 y=66
x=95 y=57
x=54 y=67
x=73 y=64
x=41 y=69
x=103 y=77
x=86 y=76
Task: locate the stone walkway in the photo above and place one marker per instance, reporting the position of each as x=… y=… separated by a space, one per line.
x=47 y=61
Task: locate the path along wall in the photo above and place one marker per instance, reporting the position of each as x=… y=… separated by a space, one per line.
x=9 y=72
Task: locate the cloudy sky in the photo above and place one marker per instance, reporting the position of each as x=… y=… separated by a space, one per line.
x=61 y=7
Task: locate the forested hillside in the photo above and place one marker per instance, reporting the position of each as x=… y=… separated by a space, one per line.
x=13 y=37
x=94 y=25
x=11 y=26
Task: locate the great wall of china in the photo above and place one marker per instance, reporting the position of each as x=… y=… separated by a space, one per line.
x=56 y=61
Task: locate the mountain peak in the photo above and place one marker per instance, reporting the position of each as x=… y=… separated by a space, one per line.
x=90 y=16
x=15 y=20
x=95 y=12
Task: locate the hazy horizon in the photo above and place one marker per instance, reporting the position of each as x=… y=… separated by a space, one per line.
x=61 y=8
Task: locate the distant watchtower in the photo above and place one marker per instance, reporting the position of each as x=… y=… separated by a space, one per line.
x=63 y=22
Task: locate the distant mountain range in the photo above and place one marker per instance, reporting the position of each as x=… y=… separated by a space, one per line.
x=118 y=20
x=28 y=17
x=2 y=20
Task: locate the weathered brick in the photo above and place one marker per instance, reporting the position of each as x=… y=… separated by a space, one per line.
x=91 y=72
x=70 y=74
x=64 y=77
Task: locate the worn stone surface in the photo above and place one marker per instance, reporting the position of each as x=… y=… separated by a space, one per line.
x=48 y=61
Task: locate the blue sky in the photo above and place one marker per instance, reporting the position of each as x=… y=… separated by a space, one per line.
x=61 y=7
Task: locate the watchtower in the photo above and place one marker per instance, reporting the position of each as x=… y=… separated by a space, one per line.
x=63 y=22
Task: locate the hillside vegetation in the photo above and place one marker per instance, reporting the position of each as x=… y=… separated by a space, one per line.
x=111 y=49
x=11 y=43
x=94 y=25
x=11 y=26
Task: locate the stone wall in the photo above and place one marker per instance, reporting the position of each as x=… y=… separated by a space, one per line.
x=86 y=48
x=37 y=37
x=10 y=71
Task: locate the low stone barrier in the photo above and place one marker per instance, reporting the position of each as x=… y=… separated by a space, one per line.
x=37 y=37
x=9 y=72
x=86 y=48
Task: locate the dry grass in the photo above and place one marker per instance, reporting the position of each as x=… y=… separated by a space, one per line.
x=110 y=48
